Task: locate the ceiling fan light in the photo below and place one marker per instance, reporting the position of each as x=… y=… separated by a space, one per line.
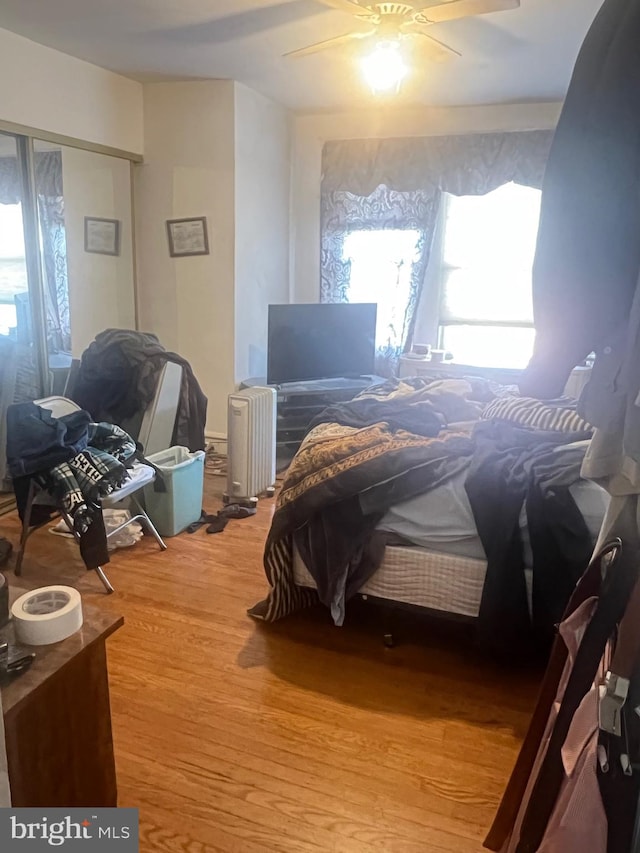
x=384 y=68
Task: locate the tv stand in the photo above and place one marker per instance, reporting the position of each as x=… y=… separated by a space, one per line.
x=299 y=402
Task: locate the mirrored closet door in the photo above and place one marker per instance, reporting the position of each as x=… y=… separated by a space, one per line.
x=20 y=369
x=66 y=263
x=86 y=246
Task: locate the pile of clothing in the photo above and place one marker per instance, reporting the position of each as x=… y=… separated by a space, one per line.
x=118 y=377
x=76 y=461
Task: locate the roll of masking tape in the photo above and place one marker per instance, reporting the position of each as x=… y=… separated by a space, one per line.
x=47 y=615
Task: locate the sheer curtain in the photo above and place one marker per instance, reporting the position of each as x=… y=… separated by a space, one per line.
x=397 y=184
x=54 y=256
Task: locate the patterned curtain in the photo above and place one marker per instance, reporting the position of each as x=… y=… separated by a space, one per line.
x=49 y=189
x=343 y=213
x=375 y=184
x=54 y=254
x=474 y=164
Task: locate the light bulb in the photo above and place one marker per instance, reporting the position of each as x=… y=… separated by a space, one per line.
x=384 y=68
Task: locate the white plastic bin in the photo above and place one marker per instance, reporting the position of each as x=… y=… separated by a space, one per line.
x=183 y=474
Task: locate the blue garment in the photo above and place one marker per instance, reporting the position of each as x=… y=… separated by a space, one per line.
x=36 y=441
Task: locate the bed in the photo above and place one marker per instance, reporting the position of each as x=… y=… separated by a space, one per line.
x=442 y=565
x=354 y=480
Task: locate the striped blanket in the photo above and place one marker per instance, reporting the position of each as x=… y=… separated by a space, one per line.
x=551 y=415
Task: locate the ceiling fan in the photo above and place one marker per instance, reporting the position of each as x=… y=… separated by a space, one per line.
x=390 y=20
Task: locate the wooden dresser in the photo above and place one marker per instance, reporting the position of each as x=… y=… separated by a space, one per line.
x=57 y=720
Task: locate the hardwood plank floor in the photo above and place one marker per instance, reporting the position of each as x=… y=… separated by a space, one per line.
x=235 y=736
x=7 y=502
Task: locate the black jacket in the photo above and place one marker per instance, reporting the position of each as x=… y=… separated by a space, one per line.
x=117 y=380
x=512 y=467
x=588 y=253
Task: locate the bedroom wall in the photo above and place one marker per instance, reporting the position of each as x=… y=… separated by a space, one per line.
x=262 y=187
x=189 y=170
x=312 y=130
x=49 y=90
x=220 y=150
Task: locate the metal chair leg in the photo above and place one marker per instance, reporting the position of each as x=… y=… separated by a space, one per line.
x=105 y=580
x=17 y=569
x=26 y=524
x=144 y=518
x=26 y=531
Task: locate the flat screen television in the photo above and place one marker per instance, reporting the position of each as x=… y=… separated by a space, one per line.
x=320 y=341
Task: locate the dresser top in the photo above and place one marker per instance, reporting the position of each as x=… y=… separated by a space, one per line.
x=98 y=624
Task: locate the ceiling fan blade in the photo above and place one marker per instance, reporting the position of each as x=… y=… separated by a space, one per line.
x=349 y=6
x=441 y=12
x=433 y=48
x=328 y=43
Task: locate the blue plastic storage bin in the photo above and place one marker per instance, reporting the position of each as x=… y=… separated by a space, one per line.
x=183 y=473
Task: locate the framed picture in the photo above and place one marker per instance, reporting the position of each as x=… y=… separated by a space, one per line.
x=188 y=237
x=101 y=236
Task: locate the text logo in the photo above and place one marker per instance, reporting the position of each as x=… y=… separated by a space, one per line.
x=86 y=830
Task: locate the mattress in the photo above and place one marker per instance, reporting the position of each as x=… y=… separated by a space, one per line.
x=413 y=575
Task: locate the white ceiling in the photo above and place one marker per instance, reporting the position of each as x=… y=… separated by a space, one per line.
x=519 y=55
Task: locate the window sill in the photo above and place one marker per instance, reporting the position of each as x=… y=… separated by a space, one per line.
x=426 y=368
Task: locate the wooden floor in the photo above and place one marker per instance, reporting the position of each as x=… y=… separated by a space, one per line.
x=7 y=502
x=235 y=736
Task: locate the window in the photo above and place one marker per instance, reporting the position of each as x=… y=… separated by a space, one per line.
x=488 y=246
x=381 y=263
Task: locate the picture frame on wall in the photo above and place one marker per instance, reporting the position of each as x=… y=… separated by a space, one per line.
x=101 y=236
x=188 y=237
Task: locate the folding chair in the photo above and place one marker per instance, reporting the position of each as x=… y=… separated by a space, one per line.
x=140 y=475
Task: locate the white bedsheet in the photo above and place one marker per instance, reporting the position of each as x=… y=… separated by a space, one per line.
x=440 y=520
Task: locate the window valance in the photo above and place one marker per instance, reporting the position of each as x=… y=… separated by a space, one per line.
x=472 y=164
